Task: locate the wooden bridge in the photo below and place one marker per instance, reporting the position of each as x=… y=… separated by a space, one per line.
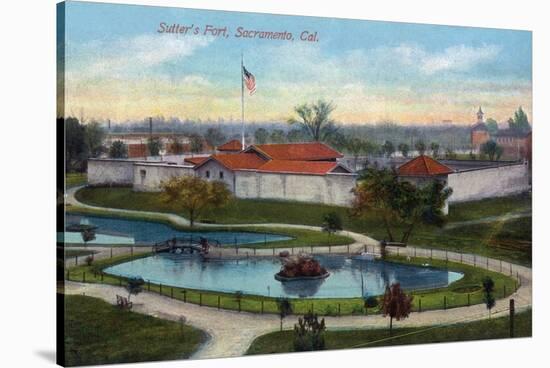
x=185 y=245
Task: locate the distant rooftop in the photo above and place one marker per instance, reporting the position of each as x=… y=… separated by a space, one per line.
x=231 y=146
x=423 y=166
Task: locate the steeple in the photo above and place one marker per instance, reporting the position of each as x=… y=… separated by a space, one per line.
x=480 y=115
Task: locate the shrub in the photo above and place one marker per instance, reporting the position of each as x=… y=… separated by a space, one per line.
x=371 y=302
x=331 y=310
x=89 y=260
x=309 y=333
x=357 y=309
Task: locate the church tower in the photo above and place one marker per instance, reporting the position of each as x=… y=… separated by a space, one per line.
x=479 y=133
x=479 y=116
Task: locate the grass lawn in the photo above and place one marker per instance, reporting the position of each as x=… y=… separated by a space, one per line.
x=496 y=328
x=99 y=333
x=466 y=291
x=75 y=179
x=240 y=211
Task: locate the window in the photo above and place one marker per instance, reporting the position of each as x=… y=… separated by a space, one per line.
x=142 y=174
x=207 y=174
x=221 y=175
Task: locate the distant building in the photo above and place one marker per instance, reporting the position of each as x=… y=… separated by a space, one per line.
x=479 y=132
x=233 y=146
x=515 y=144
x=138 y=147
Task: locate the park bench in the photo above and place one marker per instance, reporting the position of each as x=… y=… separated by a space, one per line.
x=123 y=303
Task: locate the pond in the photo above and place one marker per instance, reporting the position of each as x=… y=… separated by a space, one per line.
x=124 y=231
x=348 y=278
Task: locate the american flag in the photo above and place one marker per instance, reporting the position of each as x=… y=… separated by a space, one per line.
x=249 y=81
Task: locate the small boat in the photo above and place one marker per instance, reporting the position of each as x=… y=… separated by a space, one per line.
x=365 y=256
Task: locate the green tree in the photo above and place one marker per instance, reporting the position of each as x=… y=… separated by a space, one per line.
x=296 y=135
x=154 y=145
x=369 y=149
x=488 y=297
x=134 y=286
x=404 y=149
x=421 y=205
x=388 y=148
x=399 y=203
x=214 y=137
x=315 y=119
x=88 y=235
x=354 y=146
x=284 y=307
x=94 y=136
x=375 y=192
x=434 y=147
x=520 y=122
x=118 y=150
x=396 y=304
x=196 y=143
x=420 y=146
x=337 y=140
x=450 y=154
x=75 y=146
x=491 y=149
x=194 y=195
x=278 y=136
x=261 y=135
x=332 y=222
x=492 y=126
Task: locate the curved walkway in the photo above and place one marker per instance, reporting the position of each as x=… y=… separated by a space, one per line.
x=232 y=332
x=488 y=220
x=361 y=241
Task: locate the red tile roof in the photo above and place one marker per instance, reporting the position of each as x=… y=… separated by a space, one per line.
x=231 y=146
x=196 y=160
x=298 y=151
x=237 y=161
x=299 y=167
x=423 y=166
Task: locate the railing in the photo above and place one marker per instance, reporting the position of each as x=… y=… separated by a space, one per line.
x=353 y=306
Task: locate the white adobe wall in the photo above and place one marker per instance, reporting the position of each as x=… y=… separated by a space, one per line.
x=214 y=168
x=489 y=182
x=329 y=189
x=110 y=172
x=147 y=177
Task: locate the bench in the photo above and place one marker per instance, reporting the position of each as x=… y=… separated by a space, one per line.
x=123 y=302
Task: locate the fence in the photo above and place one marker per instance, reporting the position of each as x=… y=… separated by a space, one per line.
x=328 y=307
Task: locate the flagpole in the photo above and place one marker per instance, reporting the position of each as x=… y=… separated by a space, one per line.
x=242 y=102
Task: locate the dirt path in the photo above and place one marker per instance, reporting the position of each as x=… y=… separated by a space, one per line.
x=231 y=333
x=488 y=220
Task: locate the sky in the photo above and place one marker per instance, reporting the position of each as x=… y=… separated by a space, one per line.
x=119 y=67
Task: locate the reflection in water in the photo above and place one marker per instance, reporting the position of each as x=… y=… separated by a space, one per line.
x=302 y=288
x=146 y=232
x=348 y=277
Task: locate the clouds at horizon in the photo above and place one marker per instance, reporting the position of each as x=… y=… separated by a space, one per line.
x=135 y=75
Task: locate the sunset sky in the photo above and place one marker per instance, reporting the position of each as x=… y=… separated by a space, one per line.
x=119 y=67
